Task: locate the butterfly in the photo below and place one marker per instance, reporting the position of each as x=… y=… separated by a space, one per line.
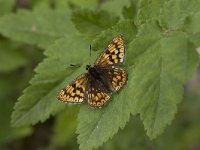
x=101 y=80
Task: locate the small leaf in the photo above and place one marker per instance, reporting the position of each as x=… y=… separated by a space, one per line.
x=92 y=23
x=40 y=27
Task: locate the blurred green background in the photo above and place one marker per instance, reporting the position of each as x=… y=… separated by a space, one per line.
x=17 y=63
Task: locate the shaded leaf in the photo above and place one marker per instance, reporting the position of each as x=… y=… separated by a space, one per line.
x=64 y=127
x=11 y=56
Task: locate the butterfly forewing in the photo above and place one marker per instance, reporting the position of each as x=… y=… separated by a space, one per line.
x=105 y=77
x=113 y=54
x=74 y=92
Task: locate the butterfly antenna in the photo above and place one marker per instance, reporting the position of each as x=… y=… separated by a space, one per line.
x=90 y=54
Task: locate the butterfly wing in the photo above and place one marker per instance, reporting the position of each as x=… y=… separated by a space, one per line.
x=75 y=91
x=114 y=76
x=114 y=53
x=97 y=94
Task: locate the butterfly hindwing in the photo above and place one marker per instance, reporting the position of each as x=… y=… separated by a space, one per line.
x=115 y=77
x=119 y=78
x=113 y=54
x=105 y=77
x=74 y=92
x=97 y=95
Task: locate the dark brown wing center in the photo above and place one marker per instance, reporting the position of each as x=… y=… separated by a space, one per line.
x=96 y=77
x=94 y=73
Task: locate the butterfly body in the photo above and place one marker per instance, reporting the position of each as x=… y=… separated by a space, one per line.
x=101 y=80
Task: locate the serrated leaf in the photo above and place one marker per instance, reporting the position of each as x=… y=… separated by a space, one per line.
x=162 y=66
x=97 y=126
x=40 y=27
x=174 y=13
x=91 y=23
x=39 y=100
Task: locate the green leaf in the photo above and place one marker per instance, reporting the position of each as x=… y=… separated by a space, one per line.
x=11 y=56
x=131 y=11
x=40 y=27
x=133 y=135
x=97 y=126
x=39 y=100
x=65 y=126
x=162 y=65
x=91 y=23
x=91 y=4
x=192 y=28
x=6 y=6
x=149 y=10
x=115 y=6
x=7 y=133
x=174 y=13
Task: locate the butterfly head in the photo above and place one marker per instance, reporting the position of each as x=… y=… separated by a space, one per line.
x=88 y=67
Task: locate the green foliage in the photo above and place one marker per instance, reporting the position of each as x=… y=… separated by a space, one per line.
x=6 y=6
x=94 y=125
x=11 y=56
x=64 y=128
x=97 y=21
x=161 y=38
x=40 y=27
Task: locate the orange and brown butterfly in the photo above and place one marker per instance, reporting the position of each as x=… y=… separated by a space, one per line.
x=101 y=80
